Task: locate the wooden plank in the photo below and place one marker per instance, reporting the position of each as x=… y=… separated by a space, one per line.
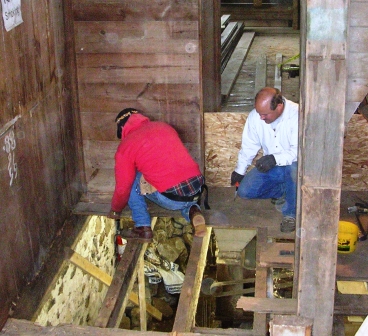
x=117 y=289
x=225 y=20
x=352 y=287
x=14 y=327
x=277 y=255
x=320 y=183
x=227 y=33
x=228 y=331
x=260 y=320
x=102 y=37
x=76 y=259
x=233 y=67
x=278 y=77
x=261 y=74
x=192 y=284
x=268 y=14
x=142 y=295
x=284 y=325
x=266 y=305
x=85 y=265
x=225 y=213
x=296 y=14
x=350 y=304
x=228 y=48
x=114 y=95
x=210 y=60
x=87 y=10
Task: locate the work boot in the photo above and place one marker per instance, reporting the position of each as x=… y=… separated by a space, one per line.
x=198 y=221
x=143 y=234
x=287 y=224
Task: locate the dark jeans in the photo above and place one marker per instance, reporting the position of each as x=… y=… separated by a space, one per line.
x=138 y=206
x=279 y=181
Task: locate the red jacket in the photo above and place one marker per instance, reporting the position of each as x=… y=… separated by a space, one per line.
x=154 y=149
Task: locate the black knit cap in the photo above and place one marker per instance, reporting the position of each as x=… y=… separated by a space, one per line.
x=123 y=117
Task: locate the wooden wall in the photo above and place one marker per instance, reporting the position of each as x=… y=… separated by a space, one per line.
x=40 y=156
x=142 y=54
x=357 y=56
x=284 y=13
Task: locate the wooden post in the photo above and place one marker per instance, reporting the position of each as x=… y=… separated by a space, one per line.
x=322 y=101
x=142 y=295
x=189 y=295
x=260 y=320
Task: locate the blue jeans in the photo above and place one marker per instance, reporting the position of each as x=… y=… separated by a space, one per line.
x=138 y=205
x=278 y=181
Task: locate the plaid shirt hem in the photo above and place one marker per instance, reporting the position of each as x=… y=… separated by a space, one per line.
x=188 y=187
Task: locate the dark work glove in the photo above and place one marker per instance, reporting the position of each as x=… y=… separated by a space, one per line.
x=235 y=177
x=265 y=163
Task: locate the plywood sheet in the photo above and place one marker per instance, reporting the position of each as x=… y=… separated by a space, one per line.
x=355 y=158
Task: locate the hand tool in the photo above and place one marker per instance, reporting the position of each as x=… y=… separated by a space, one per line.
x=363 y=235
x=359 y=208
x=236 y=190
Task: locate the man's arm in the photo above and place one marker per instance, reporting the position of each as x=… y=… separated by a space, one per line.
x=124 y=178
x=250 y=144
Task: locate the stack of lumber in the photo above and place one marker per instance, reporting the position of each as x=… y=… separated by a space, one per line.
x=230 y=37
x=235 y=45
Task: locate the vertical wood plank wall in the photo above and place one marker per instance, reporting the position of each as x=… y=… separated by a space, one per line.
x=142 y=54
x=357 y=56
x=320 y=162
x=40 y=158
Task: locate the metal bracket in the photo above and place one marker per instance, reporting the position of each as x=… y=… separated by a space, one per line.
x=315 y=59
x=338 y=62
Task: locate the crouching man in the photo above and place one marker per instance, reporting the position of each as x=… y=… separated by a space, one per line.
x=152 y=162
x=273 y=126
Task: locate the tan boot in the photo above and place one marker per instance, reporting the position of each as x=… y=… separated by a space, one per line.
x=198 y=221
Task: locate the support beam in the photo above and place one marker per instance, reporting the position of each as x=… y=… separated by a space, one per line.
x=189 y=295
x=260 y=319
x=118 y=290
x=320 y=157
x=266 y=305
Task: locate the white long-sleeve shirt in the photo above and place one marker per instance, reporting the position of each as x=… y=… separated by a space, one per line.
x=279 y=138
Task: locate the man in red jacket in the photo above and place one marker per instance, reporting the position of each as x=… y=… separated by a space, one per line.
x=151 y=161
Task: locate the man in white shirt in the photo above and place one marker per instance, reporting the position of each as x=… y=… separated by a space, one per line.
x=272 y=126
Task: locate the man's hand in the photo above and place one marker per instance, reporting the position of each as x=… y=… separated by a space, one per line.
x=114 y=215
x=265 y=163
x=236 y=178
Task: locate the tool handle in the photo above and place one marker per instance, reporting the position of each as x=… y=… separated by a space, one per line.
x=361 y=228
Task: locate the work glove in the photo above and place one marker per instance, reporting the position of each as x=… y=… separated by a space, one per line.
x=236 y=178
x=265 y=163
